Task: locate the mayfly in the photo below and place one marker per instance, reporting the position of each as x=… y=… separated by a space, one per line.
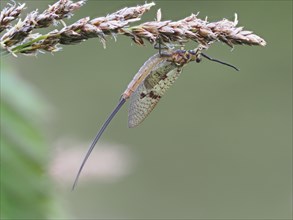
x=147 y=87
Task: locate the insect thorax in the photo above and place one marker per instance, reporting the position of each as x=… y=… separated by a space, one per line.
x=182 y=57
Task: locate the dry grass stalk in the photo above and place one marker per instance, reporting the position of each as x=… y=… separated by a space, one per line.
x=20 y=39
x=193 y=28
x=9 y=14
x=22 y=30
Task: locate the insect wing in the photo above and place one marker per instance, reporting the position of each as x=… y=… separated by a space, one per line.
x=150 y=91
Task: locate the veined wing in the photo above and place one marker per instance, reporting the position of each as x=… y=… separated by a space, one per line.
x=150 y=91
x=157 y=80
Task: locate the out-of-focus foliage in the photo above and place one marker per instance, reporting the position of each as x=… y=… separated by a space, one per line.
x=25 y=187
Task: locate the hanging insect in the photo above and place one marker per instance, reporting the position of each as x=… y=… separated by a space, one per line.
x=147 y=87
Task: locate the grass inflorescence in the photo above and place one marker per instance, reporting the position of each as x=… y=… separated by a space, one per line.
x=23 y=37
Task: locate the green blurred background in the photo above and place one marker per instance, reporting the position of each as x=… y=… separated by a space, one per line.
x=218 y=145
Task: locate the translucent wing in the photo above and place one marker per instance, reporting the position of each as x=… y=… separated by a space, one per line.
x=150 y=91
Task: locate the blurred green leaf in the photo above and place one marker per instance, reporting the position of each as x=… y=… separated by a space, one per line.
x=25 y=186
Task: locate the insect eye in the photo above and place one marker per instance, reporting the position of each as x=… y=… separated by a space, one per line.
x=198 y=59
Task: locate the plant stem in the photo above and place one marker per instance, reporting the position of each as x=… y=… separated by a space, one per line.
x=25 y=46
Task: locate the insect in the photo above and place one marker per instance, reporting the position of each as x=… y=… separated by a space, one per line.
x=148 y=86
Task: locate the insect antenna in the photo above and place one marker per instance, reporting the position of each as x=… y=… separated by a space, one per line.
x=219 y=61
x=99 y=134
